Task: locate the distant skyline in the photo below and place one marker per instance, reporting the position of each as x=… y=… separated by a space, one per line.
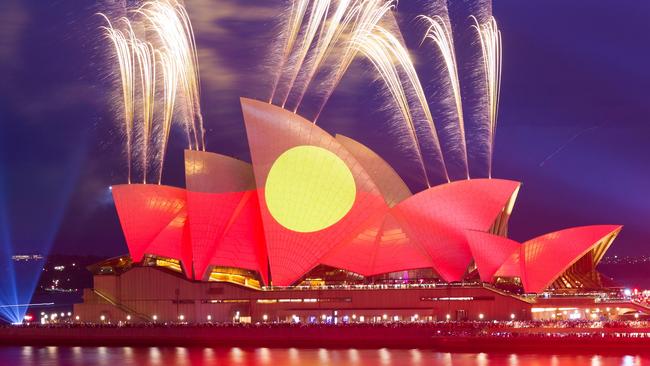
x=574 y=116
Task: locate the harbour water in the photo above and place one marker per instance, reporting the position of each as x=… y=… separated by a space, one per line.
x=181 y=356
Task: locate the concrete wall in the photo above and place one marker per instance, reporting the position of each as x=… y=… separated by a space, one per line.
x=147 y=291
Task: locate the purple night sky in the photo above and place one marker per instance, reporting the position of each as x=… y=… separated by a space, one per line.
x=574 y=123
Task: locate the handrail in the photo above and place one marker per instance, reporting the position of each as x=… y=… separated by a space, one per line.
x=121 y=306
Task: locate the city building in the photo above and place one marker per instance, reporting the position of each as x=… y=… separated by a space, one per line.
x=319 y=228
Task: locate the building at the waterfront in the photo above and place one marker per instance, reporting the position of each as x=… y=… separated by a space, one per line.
x=321 y=228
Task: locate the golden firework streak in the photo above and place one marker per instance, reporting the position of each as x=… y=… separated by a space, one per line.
x=439 y=31
x=144 y=53
x=298 y=9
x=125 y=60
x=490 y=39
x=169 y=20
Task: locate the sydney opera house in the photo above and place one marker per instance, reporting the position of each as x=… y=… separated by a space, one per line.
x=319 y=228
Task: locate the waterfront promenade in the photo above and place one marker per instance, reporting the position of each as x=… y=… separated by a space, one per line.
x=443 y=336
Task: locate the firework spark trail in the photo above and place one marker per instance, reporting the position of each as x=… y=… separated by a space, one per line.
x=380 y=54
x=395 y=51
x=316 y=16
x=298 y=9
x=172 y=50
x=490 y=39
x=326 y=44
x=145 y=56
x=170 y=85
x=439 y=31
x=123 y=52
x=363 y=18
x=195 y=75
x=169 y=20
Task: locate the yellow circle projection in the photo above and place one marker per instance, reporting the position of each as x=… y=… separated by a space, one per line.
x=309 y=189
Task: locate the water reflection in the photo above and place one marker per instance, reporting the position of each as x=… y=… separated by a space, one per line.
x=416 y=357
x=263 y=356
x=482 y=359
x=152 y=356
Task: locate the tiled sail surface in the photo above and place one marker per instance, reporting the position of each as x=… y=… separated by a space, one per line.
x=382 y=247
x=174 y=242
x=243 y=244
x=437 y=217
x=219 y=189
x=389 y=183
x=145 y=212
x=490 y=252
x=271 y=132
x=546 y=257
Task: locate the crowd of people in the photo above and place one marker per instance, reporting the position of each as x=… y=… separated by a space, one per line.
x=561 y=328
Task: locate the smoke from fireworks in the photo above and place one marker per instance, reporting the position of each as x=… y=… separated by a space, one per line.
x=173 y=54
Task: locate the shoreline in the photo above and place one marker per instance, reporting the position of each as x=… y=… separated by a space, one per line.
x=588 y=339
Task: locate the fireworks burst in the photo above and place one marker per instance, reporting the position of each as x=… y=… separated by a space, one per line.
x=170 y=21
x=490 y=38
x=314 y=40
x=316 y=17
x=363 y=17
x=386 y=52
x=439 y=31
x=173 y=54
x=124 y=57
x=298 y=9
x=144 y=53
x=170 y=86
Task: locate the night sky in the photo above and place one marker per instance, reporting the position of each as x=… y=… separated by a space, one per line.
x=574 y=123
